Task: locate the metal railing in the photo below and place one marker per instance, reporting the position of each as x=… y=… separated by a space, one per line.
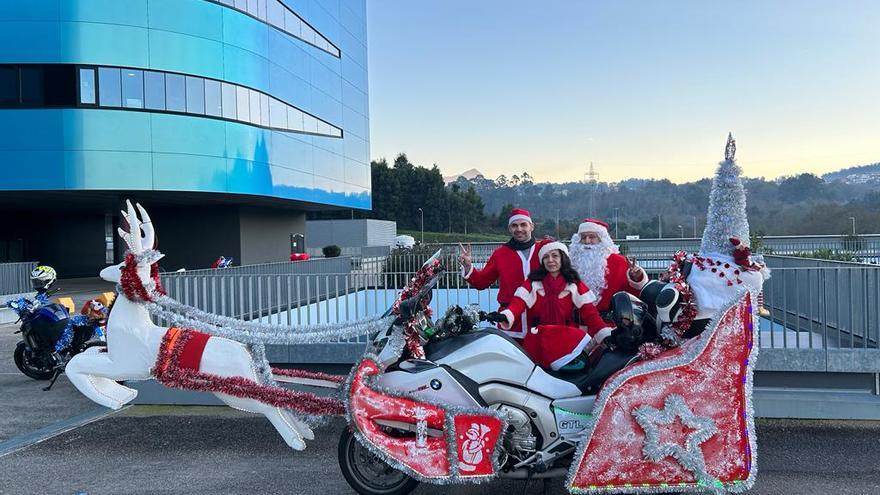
x=341 y=264
x=817 y=315
x=362 y=251
x=15 y=278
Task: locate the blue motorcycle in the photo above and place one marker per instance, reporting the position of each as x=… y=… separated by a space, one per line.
x=50 y=336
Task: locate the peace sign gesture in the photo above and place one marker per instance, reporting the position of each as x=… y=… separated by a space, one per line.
x=635 y=273
x=465 y=258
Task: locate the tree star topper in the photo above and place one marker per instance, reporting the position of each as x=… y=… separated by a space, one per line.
x=730 y=149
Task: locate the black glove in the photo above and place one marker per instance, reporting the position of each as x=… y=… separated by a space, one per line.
x=494 y=317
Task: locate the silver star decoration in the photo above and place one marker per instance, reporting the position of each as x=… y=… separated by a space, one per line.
x=689 y=457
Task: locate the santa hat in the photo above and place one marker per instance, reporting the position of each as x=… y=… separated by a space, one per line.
x=550 y=246
x=592 y=225
x=518 y=214
x=726 y=217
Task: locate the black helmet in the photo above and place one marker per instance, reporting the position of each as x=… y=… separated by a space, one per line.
x=634 y=322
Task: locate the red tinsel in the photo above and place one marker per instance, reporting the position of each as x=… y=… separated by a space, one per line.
x=688 y=309
x=131 y=283
x=313 y=375
x=413 y=343
x=169 y=373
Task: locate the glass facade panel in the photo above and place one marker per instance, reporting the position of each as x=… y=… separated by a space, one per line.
x=229 y=101
x=154 y=90
x=111 y=87
x=253 y=8
x=132 y=88
x=277 y=114
x=292 y=23
x=87 y=86
x=195 y=95
x=294 y=119
x=242 y=102
x=264 y=110
x=276 y=13
x=254 y=97
x=212 y=98
x=175 y=92
x=32 y=89
x=8 y=86
x=310 y=124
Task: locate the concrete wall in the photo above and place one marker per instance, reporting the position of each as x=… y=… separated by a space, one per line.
x=350 y=233
x=194 y=236
x=265 y=234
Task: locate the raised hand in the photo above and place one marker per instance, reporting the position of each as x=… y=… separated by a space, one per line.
x=635 y=273
x=465 y=258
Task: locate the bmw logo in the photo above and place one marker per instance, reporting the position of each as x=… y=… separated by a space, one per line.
x=436 y=384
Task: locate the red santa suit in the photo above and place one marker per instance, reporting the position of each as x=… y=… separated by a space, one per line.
x=508 y=266
x=601 y=267
x=554 y=338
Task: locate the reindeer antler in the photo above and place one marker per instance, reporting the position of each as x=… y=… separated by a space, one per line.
x=132 y=236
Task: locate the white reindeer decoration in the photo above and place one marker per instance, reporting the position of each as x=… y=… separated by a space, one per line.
x=133 y=343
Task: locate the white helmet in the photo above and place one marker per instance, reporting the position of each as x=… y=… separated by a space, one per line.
x=42 y=277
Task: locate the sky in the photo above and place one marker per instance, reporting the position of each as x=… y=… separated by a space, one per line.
x=644 y=89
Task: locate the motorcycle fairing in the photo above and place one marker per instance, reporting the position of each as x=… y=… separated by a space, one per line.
x=681 y=422
x=467 y=450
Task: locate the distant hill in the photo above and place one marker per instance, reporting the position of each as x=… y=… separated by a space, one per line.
x=467 y=174
x=863 y=174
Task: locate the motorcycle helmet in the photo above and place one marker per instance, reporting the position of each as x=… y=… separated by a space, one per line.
x=42 y=277
x=635 y=324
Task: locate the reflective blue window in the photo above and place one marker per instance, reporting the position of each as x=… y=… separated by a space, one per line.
x=264 y=110
x=254 y=101
x=277 y=114
x=133 y=88
x=175 y=93
x=229 y=101
x=87 y=86
x=154 y=90
x=242 y=102
x=8 y=86
x=195 y=95
x=32 y=86
x=111 y=87
x=212 y=98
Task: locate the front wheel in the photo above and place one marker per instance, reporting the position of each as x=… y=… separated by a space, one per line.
x=30 y=365
x=367 y=473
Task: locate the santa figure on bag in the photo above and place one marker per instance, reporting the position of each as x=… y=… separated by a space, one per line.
x=601 y=266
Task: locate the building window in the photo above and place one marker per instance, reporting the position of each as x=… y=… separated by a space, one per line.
x=277 y=14
x=32 y=89
x=133 y=88
x=175 y=93
x=87 y=86
x=229 y=101
x=242 y=101
x=8 y=86
x=212 y=98
x=111 y=87
x=195 y=95
x=154 y=90
x=254 y=98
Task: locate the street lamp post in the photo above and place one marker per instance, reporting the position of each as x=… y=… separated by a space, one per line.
x=557 y=223
x=695 y=225
x=422 y=213
x=659 y=226
x=853 y=224
x=616 y=224
x=681 y=231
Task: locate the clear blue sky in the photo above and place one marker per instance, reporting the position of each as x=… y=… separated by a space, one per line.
x=642 y=89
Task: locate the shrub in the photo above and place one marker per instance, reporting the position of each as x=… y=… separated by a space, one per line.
x=331 y=251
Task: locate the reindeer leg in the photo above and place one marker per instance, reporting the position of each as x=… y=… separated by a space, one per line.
x=94 y=375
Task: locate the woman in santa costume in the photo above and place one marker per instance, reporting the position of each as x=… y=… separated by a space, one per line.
x=550 y=295
x=510 y=264
x=601 y=266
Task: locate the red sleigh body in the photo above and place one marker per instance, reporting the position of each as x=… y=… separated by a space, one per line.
x=680 y=422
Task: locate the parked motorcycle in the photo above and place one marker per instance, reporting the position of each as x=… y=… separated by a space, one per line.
x=51 y=336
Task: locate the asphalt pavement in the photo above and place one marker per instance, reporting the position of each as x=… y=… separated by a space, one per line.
x=216 y=450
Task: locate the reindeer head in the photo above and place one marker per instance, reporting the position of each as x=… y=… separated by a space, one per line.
x=130 y=232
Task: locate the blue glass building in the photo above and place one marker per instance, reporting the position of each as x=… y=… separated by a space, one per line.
x=227 y=119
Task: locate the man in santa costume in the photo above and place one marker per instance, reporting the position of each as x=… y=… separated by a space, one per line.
x=510 y=264
x=601 y=266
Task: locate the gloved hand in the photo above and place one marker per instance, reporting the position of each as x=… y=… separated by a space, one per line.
x=493 y=316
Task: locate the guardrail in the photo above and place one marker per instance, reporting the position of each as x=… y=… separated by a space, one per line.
x=341 y=264
x=362 y=251
x=15 y=278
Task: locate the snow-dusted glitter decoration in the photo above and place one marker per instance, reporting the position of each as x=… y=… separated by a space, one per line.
x=726 y=217
x=691 y=455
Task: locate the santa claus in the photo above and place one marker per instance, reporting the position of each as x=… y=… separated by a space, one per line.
x=509 y=265
x=601 y=266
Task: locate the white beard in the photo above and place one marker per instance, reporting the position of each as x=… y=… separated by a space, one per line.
x=591 y=262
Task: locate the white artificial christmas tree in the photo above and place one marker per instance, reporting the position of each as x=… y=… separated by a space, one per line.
x=726 y=217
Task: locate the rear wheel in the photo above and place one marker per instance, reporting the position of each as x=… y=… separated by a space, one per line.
x=31 y=365
x=367 y=473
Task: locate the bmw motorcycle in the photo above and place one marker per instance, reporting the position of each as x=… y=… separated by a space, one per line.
x=51 y=336
x=464 y=366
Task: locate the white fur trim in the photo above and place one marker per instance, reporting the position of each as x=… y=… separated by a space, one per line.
x=591 y=227
x=550 y=246
x=640 y=284
x=515 y=218
x=529 y=297
x=559 y=363
x=602 y=334
x=469 y=272
x=579 y=299
x=507 y=326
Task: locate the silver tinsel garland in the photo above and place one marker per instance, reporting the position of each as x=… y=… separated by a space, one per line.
x=692 y=352
x=449 y=425
x=726 y=216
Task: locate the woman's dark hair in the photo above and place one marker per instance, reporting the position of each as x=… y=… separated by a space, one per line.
x=566 y=270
